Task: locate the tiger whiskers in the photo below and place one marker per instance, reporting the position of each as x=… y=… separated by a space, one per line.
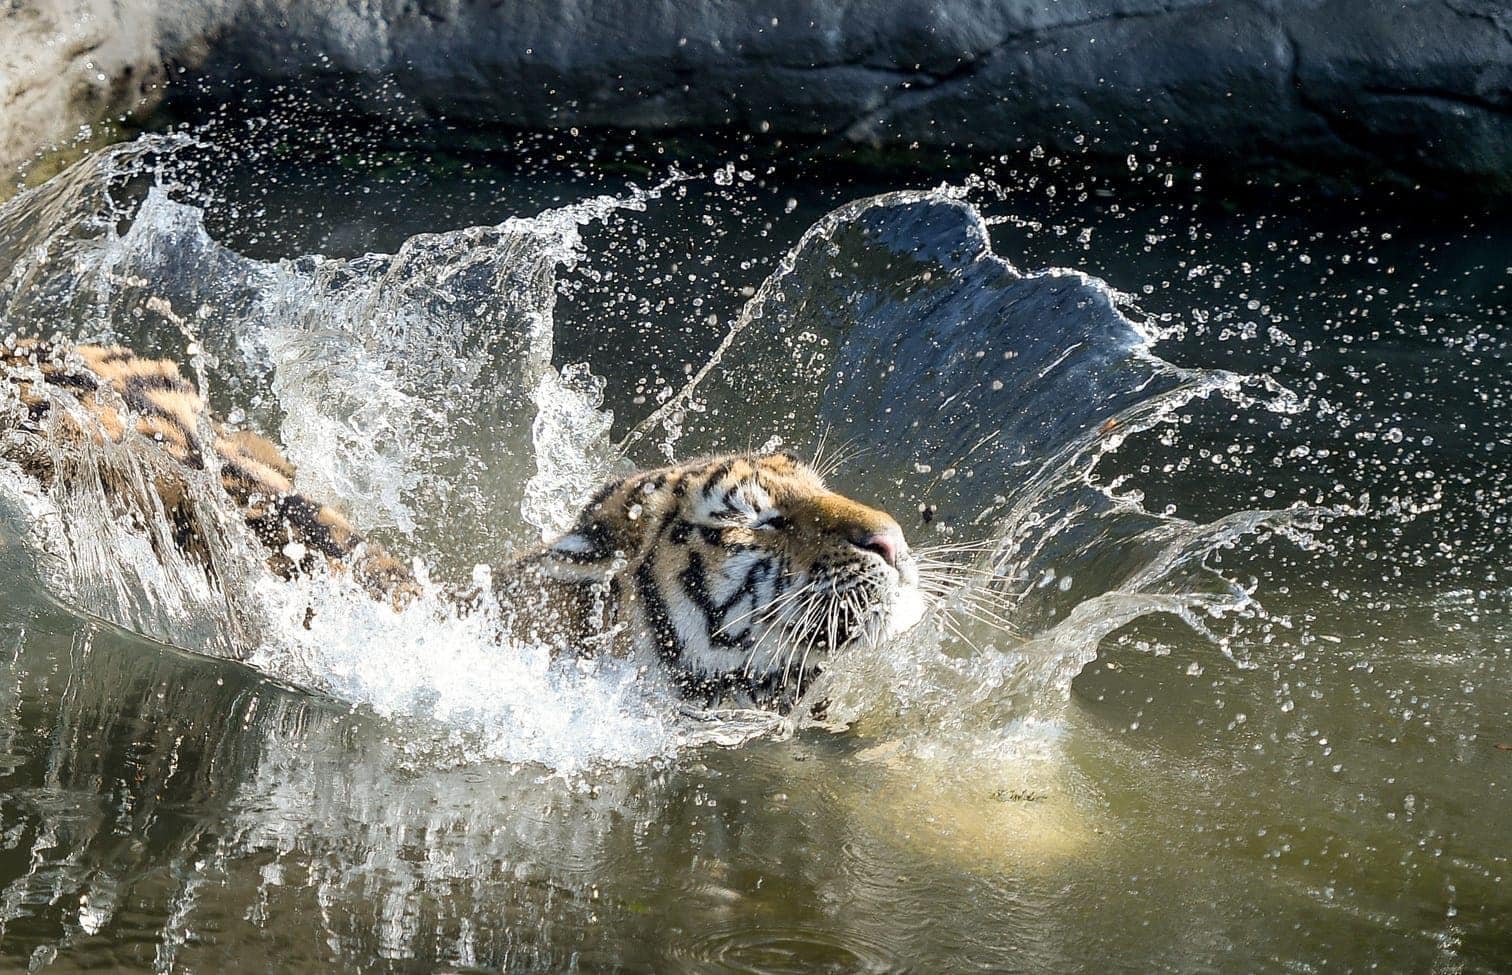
x=843 y=453
x=776 y=638
x=778 y=618
x=764 y=609
x=783 y=635
x=962 y=592
x=836 y=617
x=817 y=460
x=850 y=602
x=983 y=605
x=820 y=607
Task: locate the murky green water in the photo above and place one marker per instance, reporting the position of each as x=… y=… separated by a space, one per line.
x=1317 y=783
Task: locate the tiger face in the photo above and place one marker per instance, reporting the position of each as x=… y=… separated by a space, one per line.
x=744 y=573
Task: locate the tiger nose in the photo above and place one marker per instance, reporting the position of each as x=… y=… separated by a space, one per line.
x=888 y=543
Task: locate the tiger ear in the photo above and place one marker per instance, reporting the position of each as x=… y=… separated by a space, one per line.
x=607 y=530
x=584 y=554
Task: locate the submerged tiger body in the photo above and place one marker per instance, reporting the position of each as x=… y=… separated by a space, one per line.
x=116 y=393
x=741 y=573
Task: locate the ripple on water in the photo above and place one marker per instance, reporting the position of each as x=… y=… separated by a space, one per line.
x=768 y=951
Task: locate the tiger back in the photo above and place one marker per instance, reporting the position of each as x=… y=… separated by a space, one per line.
x=120 y=394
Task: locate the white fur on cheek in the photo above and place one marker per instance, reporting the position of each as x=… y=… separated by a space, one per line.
x=732 y=574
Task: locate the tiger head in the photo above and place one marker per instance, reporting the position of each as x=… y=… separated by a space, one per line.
x=742 y=572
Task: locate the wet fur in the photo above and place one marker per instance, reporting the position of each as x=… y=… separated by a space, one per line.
x=685 y=561
x=121 y=393
x=691 y=563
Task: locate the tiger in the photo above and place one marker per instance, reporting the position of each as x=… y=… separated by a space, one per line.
x=742 y=574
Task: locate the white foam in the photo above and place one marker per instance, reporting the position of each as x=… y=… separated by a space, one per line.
x=457 y=685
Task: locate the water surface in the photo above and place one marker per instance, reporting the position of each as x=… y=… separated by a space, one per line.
x=1243 y=470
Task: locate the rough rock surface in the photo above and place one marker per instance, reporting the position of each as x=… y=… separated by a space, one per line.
x=1419 y=91
x=64 y=66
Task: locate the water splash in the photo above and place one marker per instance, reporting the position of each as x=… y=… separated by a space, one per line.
x=464 y=693
x=981 y=403
x=572 y=448
x=418 y=387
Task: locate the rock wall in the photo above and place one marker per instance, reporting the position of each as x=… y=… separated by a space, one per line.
x=1416 y=91
x=67 y=65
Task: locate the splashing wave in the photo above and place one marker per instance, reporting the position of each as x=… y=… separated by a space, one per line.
x=418 y=387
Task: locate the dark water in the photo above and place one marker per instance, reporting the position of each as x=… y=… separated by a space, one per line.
x=1282 y=754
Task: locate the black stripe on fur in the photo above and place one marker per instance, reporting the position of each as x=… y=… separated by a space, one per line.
x=669 y=644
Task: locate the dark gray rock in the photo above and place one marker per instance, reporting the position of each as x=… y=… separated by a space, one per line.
x=1423 y=88
x=1413 y=91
